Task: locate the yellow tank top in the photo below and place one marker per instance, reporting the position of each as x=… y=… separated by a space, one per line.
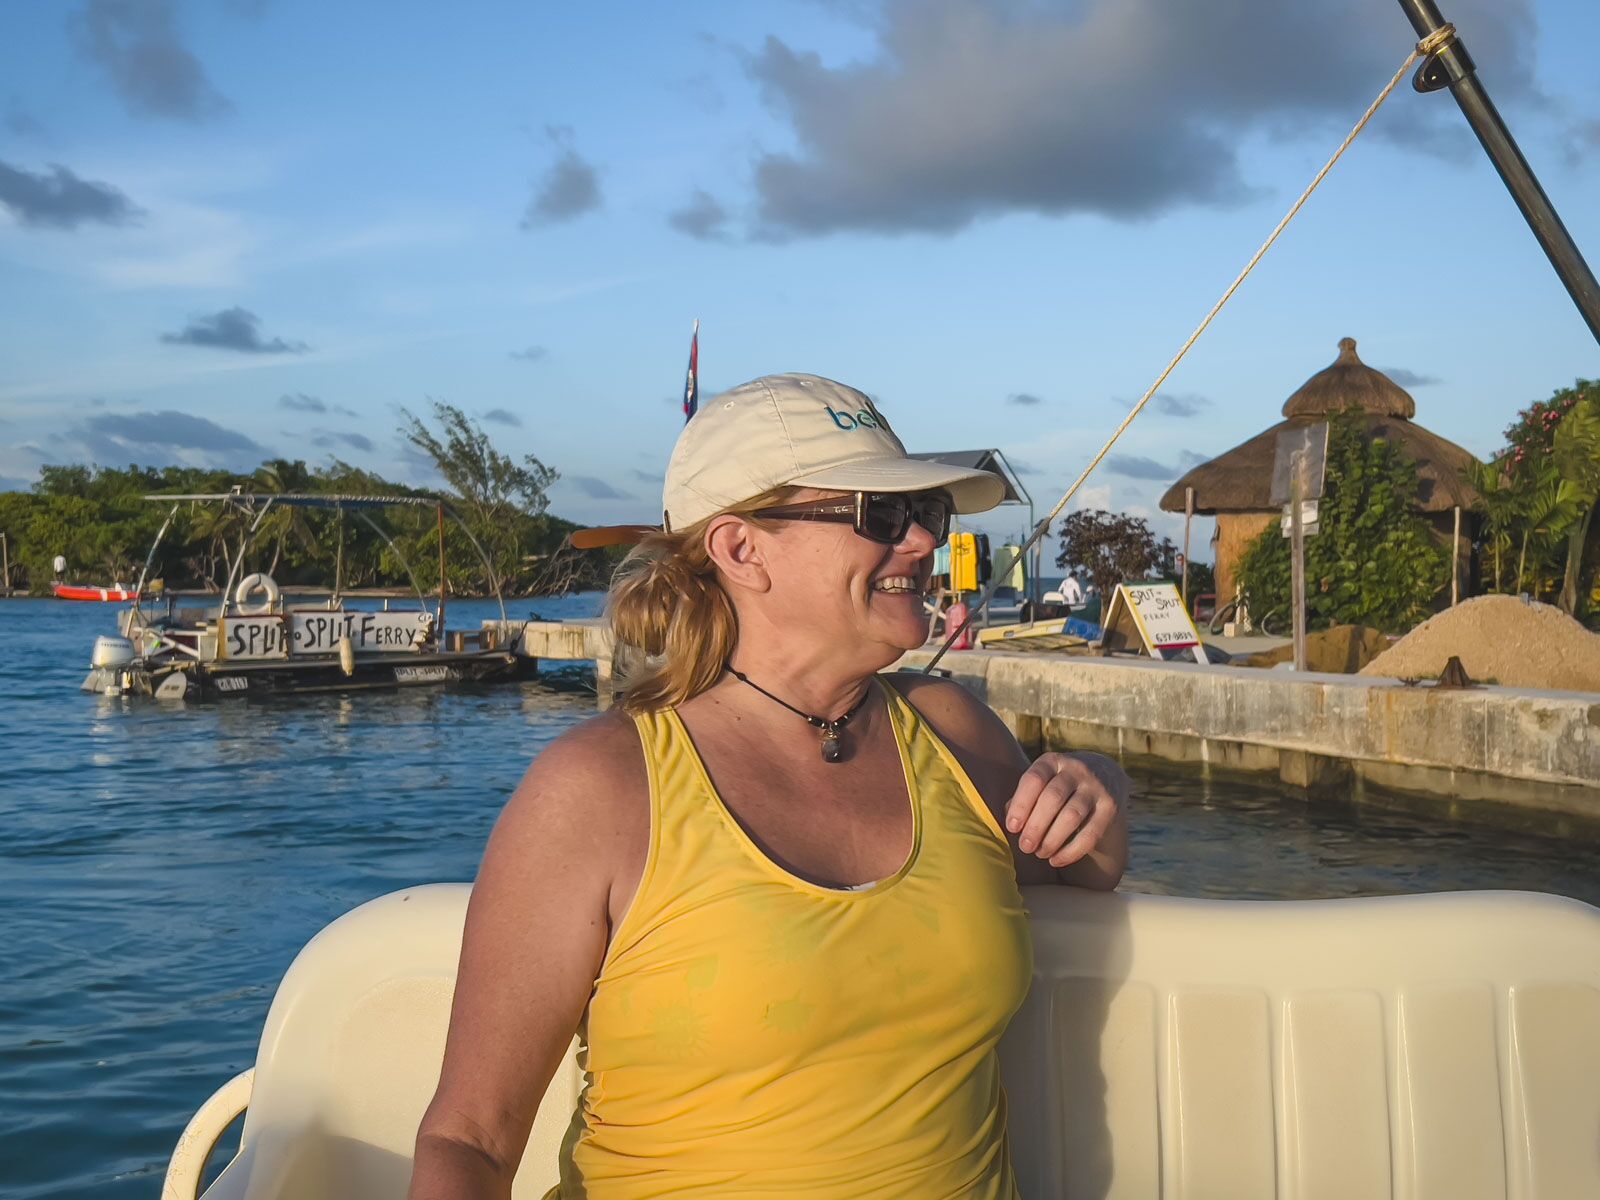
x=752 y=1034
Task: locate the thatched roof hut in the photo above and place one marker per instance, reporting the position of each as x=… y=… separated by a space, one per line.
x=1241 y=479
x=1236 y=487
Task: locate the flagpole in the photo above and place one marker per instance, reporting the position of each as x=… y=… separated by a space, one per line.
x=691 y=381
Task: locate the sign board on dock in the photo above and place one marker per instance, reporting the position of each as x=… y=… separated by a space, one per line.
x=252 y=638
x=1151 y=616
x=319 y=632
x=1302 y=449
x=1310 y=518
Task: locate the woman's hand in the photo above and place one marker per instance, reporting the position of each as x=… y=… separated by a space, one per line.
x=1069 y=810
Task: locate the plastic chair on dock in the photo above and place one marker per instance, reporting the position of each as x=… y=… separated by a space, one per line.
x=1416 y=1047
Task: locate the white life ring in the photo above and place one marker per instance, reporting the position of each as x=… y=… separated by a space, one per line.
x=248 y=587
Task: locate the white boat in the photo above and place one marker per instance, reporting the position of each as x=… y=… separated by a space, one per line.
x=1436 y=1047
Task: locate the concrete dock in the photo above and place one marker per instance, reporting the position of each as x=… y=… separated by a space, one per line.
x=1466 y=747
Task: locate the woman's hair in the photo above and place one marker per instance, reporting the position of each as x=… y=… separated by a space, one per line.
x=667 y=602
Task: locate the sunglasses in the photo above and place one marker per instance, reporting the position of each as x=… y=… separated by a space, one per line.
x=883 y=517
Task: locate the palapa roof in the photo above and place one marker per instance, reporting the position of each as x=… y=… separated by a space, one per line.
x=1241 y=479
x=1350 y=383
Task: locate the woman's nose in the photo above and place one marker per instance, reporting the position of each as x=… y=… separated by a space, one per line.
x=917 y=541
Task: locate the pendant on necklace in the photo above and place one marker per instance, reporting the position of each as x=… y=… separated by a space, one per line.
x=832 y=747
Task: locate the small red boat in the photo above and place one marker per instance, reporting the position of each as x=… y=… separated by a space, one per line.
x=115 y=594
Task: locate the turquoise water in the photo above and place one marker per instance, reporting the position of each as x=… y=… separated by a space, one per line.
x=160 y=866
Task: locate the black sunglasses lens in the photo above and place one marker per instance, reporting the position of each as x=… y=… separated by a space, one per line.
x=885 y=517
x=933 y=514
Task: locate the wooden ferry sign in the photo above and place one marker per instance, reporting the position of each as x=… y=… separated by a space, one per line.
x=254 y=637
x=245 y=638
x=1149 y=616
x=319 y=632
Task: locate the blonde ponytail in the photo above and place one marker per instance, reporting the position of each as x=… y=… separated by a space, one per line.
x=667 y=605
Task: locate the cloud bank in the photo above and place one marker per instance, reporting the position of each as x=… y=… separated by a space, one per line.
x=160 y=437
x=974 y=108
x=58 y=199
x=701 y=217
x=136 y=44
x=1409 y=379
x=568 y=189
x=233 y=329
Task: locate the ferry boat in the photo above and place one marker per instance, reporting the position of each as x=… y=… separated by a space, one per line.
x=253 y=641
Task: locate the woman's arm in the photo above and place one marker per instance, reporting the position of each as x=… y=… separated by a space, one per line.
x=572 y=837
x=1067 y=813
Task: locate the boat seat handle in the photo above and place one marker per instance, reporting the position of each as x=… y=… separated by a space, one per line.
x=186 y=1169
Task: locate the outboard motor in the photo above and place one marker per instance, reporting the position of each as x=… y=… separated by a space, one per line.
x=106 y=665
x=112 y=652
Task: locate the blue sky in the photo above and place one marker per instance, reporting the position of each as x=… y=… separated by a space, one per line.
x=250 y=228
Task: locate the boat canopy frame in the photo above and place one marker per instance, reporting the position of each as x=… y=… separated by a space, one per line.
x=995 y=462
x=258 y=505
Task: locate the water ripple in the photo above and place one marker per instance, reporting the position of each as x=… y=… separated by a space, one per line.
x=162 y=863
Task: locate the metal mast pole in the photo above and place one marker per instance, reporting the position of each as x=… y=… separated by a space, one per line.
x=439 y=633
x=1453 y=68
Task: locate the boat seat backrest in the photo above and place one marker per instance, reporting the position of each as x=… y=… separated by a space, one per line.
x=1419 y=1047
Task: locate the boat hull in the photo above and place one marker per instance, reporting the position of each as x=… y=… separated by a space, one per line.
x=99 y=595
x=261 y=680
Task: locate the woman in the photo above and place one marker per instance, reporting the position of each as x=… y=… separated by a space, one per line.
x=773 y=892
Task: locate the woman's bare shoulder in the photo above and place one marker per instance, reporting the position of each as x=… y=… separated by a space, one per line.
x=956 y=715
x=590 y=778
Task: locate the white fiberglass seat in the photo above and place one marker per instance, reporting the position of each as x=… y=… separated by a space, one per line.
x=1442 y=1047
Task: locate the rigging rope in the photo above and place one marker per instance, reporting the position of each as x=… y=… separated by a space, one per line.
x=1425 y=48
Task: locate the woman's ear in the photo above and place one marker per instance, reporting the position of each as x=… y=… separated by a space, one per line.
x=735 y=546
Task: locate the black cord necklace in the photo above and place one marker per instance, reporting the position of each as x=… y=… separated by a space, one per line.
x=832 y=747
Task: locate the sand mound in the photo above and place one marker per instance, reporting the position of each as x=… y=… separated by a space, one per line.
x=1499 y=639
x=1341 y=650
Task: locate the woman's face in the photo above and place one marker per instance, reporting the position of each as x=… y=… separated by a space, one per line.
x=828 y=581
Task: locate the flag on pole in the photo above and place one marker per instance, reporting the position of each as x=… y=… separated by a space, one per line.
x=691 y=382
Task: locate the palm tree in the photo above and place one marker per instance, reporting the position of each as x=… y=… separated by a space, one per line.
x=1498 y=501
x=1547 y=508
x=1577 y=458
x=287 y=523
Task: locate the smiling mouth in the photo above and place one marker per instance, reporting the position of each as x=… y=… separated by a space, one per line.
x=899 y=585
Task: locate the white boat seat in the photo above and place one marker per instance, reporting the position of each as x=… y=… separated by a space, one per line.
x=1441 y=1047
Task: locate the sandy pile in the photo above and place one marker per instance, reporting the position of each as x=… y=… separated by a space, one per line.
x=1341 y=650
x=1499 y=639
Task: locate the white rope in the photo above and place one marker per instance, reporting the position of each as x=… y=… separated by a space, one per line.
x=1427 y=46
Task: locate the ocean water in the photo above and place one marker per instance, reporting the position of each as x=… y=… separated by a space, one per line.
x=160 y=865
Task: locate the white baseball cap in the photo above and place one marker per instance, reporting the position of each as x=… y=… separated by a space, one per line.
x=793 y=430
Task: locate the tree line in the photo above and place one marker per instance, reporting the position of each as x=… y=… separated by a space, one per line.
x=97 y=518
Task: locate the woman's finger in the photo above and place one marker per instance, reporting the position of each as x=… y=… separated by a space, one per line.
x=1053 y=797
x=1071 y=817
x=1022 y=801
x=1088 y=834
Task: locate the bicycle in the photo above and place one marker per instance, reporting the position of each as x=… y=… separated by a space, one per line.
x=1238 y=611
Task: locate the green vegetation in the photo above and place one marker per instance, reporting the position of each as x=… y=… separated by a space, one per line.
x=1113 y=548
x=1375 y=561
x=97 y=518
x=1539 y=498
